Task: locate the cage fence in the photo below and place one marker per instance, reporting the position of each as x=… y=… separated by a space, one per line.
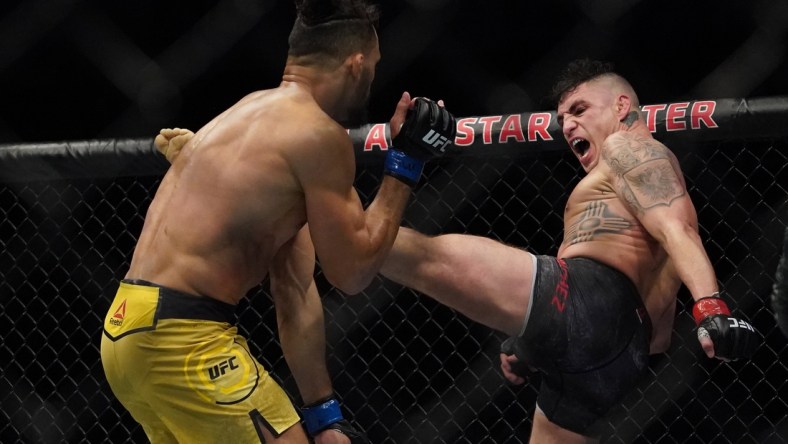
x=407 y=369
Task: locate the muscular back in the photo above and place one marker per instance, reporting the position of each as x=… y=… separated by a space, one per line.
x=231 y=199
x=604 y=218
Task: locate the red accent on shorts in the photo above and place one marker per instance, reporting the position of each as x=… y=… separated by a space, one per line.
x=561 y=291
x=120 y=313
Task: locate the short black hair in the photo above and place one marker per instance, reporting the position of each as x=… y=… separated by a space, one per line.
x=327 y=31
x=576 y=73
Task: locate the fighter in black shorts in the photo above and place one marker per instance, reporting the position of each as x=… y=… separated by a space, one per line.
x=586 y=329
x=595 y=311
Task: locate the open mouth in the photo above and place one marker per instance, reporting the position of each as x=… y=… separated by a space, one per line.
x=580 y=146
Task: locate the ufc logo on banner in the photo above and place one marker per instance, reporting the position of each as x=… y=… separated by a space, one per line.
x=735 y=323
x=436 y=140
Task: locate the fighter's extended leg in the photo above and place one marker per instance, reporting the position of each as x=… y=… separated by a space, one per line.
x=483 y=279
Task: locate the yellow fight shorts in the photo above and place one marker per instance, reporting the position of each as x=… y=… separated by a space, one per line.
x=177 y=364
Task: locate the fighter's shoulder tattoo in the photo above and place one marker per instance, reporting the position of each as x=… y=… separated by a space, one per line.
x=644 y=171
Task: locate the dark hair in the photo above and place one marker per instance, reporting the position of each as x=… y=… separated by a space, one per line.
x=327 y=31
x=577 y=73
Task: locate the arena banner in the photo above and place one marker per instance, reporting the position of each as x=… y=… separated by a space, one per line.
x=506 y=135
x=513 y=135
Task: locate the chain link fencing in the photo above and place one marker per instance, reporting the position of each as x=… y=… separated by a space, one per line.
x=407 y=369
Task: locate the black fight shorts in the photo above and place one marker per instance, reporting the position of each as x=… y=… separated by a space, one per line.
x=588 y=333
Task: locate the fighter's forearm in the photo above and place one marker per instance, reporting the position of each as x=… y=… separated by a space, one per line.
x=363 y=258
x=302 y=337
x=690 y=260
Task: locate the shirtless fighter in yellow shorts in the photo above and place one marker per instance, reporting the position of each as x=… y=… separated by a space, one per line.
x=233 y=209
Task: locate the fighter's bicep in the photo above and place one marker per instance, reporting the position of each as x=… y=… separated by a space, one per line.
x=326 y=171
x=651 y=184
x=644 y=172
x=335 y=215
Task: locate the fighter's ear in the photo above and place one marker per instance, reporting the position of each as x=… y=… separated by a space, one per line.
x=623 y=106
x=355 y=64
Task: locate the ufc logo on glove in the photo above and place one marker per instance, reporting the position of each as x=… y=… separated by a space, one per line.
x=738 y=323
x=436 y=140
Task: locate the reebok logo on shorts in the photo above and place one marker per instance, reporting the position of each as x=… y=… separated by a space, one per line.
x=120 y=313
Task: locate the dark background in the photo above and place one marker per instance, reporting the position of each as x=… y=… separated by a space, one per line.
x=407 y=369
x=73 y=70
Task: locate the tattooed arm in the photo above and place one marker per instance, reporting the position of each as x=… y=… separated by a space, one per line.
x=647 y=178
